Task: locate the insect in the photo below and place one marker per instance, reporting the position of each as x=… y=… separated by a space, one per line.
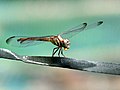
x=60 y=40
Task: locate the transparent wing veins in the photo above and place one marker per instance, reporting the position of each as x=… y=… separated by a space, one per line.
x=73 y=31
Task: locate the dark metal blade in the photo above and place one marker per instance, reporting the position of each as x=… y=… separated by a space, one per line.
x=70 y=63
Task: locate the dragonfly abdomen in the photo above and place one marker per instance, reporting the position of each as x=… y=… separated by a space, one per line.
x=21 y=40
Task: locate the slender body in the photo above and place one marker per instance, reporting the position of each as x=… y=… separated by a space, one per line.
x=56 y=40
x=60 y=40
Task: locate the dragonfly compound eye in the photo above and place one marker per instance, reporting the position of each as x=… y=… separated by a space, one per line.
x=67 y=43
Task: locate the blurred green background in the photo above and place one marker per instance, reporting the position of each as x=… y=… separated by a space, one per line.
x=50 y=17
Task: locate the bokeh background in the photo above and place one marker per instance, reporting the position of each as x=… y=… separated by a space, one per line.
x=49 y=17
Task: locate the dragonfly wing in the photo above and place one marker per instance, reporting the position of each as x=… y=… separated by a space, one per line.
x=73 y=31
x=24 y=41
x=94 y=25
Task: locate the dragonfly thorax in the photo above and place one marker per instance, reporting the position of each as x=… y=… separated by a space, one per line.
x=60 y=42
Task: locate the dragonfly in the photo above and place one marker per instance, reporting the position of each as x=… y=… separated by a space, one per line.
x=60 y=40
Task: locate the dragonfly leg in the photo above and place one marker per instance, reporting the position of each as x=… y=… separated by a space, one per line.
x=62 y=52
x=59 y=51
x=54 y=51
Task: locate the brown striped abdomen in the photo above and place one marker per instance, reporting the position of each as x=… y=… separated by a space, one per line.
x=34 y=39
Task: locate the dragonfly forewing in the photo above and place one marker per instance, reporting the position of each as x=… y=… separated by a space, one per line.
x=94 y=25
x=73 y=31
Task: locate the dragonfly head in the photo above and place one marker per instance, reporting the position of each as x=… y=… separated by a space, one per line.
x=66 y=44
